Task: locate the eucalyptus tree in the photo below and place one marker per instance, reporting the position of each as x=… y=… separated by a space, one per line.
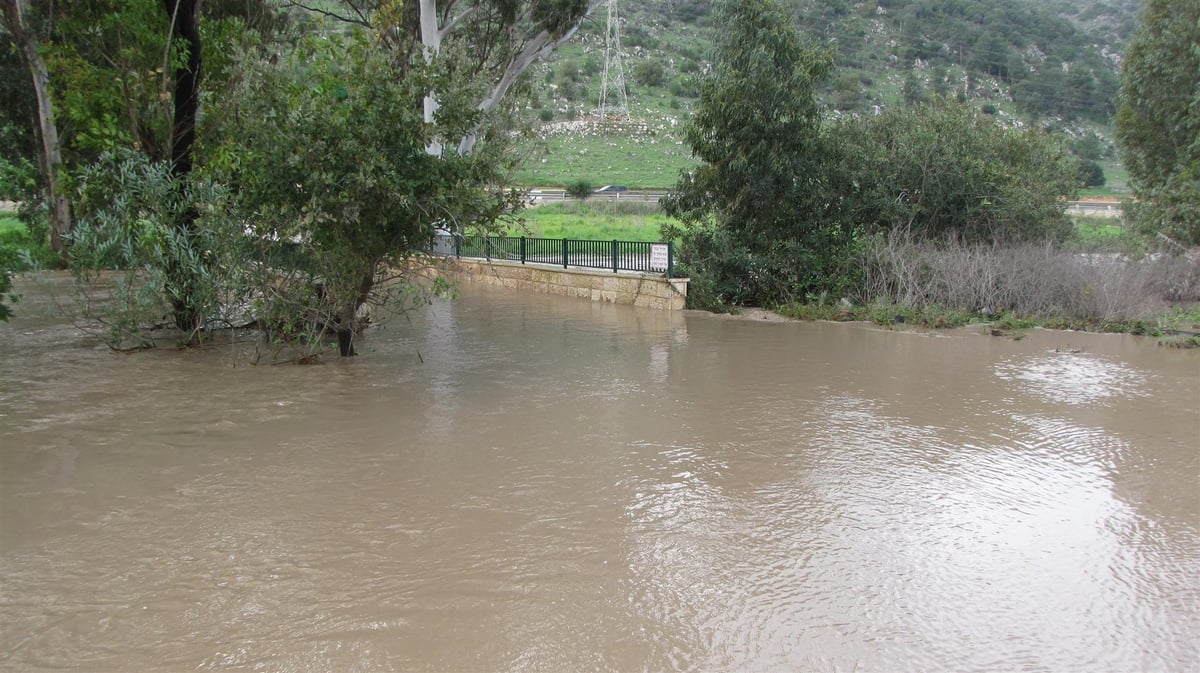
x=755 y=215
x=23 y=26
x=497 y=39
x=128 y=77
x=1158 y=125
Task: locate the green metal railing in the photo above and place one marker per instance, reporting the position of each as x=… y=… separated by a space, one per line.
x=565 y=252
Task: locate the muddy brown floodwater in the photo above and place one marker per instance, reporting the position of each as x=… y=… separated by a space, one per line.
x=558 y=485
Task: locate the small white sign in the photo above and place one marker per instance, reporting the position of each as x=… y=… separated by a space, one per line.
x=658 y=258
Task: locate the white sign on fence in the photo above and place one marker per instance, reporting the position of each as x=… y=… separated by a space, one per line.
x=658 y=257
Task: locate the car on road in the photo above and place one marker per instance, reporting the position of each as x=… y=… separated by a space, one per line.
x=612 y=189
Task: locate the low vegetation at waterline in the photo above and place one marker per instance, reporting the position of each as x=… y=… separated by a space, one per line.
x=1101 y=277
x=1064 y=287
x=931 y=210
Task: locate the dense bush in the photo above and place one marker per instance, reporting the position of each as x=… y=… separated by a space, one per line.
x=125 y=247
x=685 y=87
x=580 y=189
x=782 y=199
x=756 y=223
x=942 y=170
x=1091 y=174
x=649 y=73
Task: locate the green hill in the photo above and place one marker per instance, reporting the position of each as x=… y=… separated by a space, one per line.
x=1054 y=64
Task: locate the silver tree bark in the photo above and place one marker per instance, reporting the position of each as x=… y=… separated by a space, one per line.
x=535 y=47
x=15 y=14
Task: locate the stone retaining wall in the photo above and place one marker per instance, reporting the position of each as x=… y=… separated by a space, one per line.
x=639 y=289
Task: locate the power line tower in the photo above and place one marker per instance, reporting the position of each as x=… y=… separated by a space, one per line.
x=613 y=98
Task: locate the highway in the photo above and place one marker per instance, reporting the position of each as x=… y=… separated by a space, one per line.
x=1096 y=208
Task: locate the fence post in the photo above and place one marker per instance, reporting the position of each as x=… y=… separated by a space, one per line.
x=614 y=255
x=457 y=238
x=522 y=249
x=564 y=241
x=670 y=259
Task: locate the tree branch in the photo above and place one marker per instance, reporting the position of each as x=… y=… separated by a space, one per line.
x=360 y=21
x=538 y=47
x=453 y=23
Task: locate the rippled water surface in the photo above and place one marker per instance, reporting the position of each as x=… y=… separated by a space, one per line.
x=516 y=482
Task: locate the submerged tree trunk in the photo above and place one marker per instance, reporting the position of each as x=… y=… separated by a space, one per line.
x=347 y=323
x=185 y=21
x=15 y=15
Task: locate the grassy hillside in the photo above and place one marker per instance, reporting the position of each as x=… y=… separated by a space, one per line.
x=1027 y=62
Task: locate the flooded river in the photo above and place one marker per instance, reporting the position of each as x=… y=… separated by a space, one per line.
x=515 y=482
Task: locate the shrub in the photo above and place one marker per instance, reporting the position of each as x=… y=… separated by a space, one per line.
x=649 y=73
x=1091 y=174
x=580 y=189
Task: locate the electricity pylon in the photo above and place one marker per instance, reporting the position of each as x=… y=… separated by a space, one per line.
x=613 y=98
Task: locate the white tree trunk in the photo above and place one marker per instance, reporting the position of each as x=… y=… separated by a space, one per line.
x=431 y=41
x=14 y=12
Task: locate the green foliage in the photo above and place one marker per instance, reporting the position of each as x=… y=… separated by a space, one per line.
x=649 y=73
x=754 y=223
x=1102 y=234
x=1091 y=174
x=1088 y=147
x=18 y=107
x=913 y=89
x=594 y=219
x=941 y=170
x=328 y=150
x=18 y=179
x=11 y=233
x=6 y=292
x=24 y=248
x=108 y=65
x=848 y=92
x=580 y=189
x=126 y=242
x=1158 y=126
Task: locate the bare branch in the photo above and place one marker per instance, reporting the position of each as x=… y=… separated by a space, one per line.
x=360 y=21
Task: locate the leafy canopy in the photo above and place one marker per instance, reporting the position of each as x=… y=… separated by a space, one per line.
x=753 y=213
x=942 y=170
x=1158 y=125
